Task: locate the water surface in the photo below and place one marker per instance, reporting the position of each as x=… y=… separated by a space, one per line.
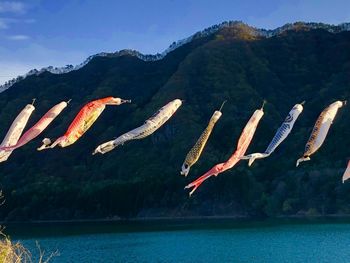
x=190 y=241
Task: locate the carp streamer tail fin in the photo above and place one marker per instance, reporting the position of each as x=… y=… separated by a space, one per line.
x=252 y=157
x=104 y=148
x=302 y=159
x=195 y=184
x=46 y=143
x=346 y=175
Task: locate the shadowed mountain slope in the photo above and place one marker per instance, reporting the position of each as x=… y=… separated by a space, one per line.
x=142 y=178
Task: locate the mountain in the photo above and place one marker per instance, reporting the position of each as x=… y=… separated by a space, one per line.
x=231 y=61
x=208 y=31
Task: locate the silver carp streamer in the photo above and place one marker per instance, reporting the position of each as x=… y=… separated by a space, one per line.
x=149 y=127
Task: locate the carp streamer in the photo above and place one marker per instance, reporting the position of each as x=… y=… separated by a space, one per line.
x=149 y=127
x=281 y=134
x=196 y=151
x=39 y=127
x=320 y=130
x=82 y=122
x=16 y=130
x=346 y=175
x=243 y=143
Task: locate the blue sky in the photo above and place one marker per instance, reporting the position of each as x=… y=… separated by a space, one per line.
x=39 y=33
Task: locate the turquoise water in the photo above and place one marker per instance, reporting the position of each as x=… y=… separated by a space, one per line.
x=191 y=242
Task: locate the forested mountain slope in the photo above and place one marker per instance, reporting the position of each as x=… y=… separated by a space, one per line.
x=142 y=178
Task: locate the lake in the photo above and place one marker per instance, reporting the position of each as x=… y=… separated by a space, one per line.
x=190 y=241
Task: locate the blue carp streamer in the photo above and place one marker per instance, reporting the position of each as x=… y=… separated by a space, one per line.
x=281 y=134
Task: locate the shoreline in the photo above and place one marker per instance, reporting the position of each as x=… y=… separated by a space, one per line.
x=235 y=218
x=56 y=228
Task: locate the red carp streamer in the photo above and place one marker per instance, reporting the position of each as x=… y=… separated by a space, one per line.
x=242 y=146
x=39 y=127
x=82 y=122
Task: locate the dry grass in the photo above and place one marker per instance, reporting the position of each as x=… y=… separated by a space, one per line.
x=12 y=252
x=15 y=252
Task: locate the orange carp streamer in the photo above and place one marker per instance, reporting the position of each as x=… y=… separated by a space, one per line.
x=39 y=127
x=82 y=122
x=242 y=146
x=346 y=175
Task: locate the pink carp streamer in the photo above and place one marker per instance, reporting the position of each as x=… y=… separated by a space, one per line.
x=39 y=127
x=82 y=122
x=346 y=175
x=15 y=131
x=242 y=146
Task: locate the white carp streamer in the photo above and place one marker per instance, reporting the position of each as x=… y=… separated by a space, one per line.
x=149 y=127
x=346 y=175
x=196 y=151
x=281 y=134
x=320 y=130
x=15 y=131
x=242 y=146
x=39 y=127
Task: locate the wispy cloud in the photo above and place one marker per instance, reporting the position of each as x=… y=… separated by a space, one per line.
x=18 y=37
x=3 y=24
x=12 y=7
